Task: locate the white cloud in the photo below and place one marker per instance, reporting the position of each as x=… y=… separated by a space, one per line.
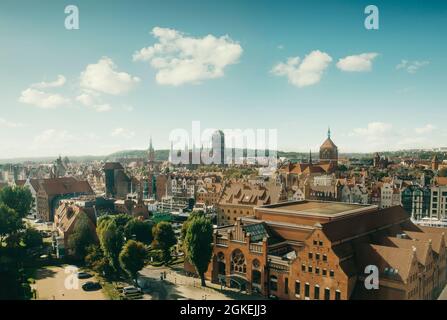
x=51 y=137
x=357 y=63
x=425 y=129
x=59 y=82
x=123 y=133
x=86 y=99
x=9 y=124
x=411 y=66
x=305 y=73
x=374 y=130
x=93 y=100
x=42 y=99
x=103 y=77
x=102 y=107
x=181 y=59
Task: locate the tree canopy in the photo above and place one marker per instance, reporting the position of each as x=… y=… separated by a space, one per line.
x=139 y=230
x=32 y=238
x=10 y=222
x=198 y=239
x=111 y=240
x=164 y=239
x=18 y=198
x=132 y=258
x=81 y=237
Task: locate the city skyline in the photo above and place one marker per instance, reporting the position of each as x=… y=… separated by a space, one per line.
x=116 y=81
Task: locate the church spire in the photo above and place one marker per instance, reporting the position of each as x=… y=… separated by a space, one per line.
x=329 y=132
x=310 y=156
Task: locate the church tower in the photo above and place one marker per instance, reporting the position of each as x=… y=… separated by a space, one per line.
x=328 y=150
x=435 y=163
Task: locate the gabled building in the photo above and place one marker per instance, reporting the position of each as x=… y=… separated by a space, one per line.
x=51 y=191
x=314 y=250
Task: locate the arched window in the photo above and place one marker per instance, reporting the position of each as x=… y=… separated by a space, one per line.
x=221 y=263
x=238 y=263
x=256 y=277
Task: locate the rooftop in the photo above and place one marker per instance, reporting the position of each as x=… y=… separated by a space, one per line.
x=318 y=208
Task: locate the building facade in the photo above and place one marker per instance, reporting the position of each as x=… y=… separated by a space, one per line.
x=312 y=250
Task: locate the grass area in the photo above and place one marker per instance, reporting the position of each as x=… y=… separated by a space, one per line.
x=109 y=289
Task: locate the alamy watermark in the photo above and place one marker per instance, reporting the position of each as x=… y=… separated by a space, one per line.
x=72 y=18
x=227 y=146
x=372 y=20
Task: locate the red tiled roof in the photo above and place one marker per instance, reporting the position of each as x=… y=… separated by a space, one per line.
x=61 y=186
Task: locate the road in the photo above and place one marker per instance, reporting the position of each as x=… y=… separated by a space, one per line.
x=53 y=283
x=177 y=286
x=443 y=295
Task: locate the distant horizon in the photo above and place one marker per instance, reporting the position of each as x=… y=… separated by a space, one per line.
x=49 y=157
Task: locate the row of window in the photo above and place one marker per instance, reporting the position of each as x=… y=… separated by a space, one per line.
x=316 y=295
x=317 y=256
x=310 y=269
x=318 y=243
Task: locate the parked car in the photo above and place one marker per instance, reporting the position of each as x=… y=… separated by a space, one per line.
x=91 y=286
x=84 y=275
x=131 y=290
x=38 y=221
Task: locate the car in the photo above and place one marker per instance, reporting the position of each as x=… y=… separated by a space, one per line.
x=84 y=275
x=38 y=221
x=91 y=286
x=131 y=290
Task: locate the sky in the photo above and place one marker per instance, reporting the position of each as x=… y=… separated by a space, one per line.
x=141 y=69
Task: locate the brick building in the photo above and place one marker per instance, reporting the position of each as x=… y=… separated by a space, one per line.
x=239 y=199
x=310 y=250
x=51 y=191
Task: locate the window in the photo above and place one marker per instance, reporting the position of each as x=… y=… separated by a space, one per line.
x=310 y=255
x=303 y=267
x=286 y=285
x=327 y=294
x=337 y=295
x=273 y=283
x=297 y=288
x=315 y=242
x=320 y=243
x=324 y=272
x=310 y=269
x=317 y=292
x=317 y=270
x=317 y=256
x=324 y=257
x=256 y=276
x=306 y=290
x=331 y=273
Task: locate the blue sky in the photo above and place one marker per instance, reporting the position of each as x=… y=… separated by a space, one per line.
x=388 y=92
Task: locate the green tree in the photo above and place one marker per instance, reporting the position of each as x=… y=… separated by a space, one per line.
x=199 y=237
x=10 y=222
x=164 y=239
x=18 y=198
x=32 y=238
x=96 y=260
x=141 y=230
x=121 y=220
x=81 y=237
x=132 y=258
x=185 y=225
x=111 y=240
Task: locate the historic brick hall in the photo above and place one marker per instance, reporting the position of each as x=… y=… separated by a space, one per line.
x=319 y=250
